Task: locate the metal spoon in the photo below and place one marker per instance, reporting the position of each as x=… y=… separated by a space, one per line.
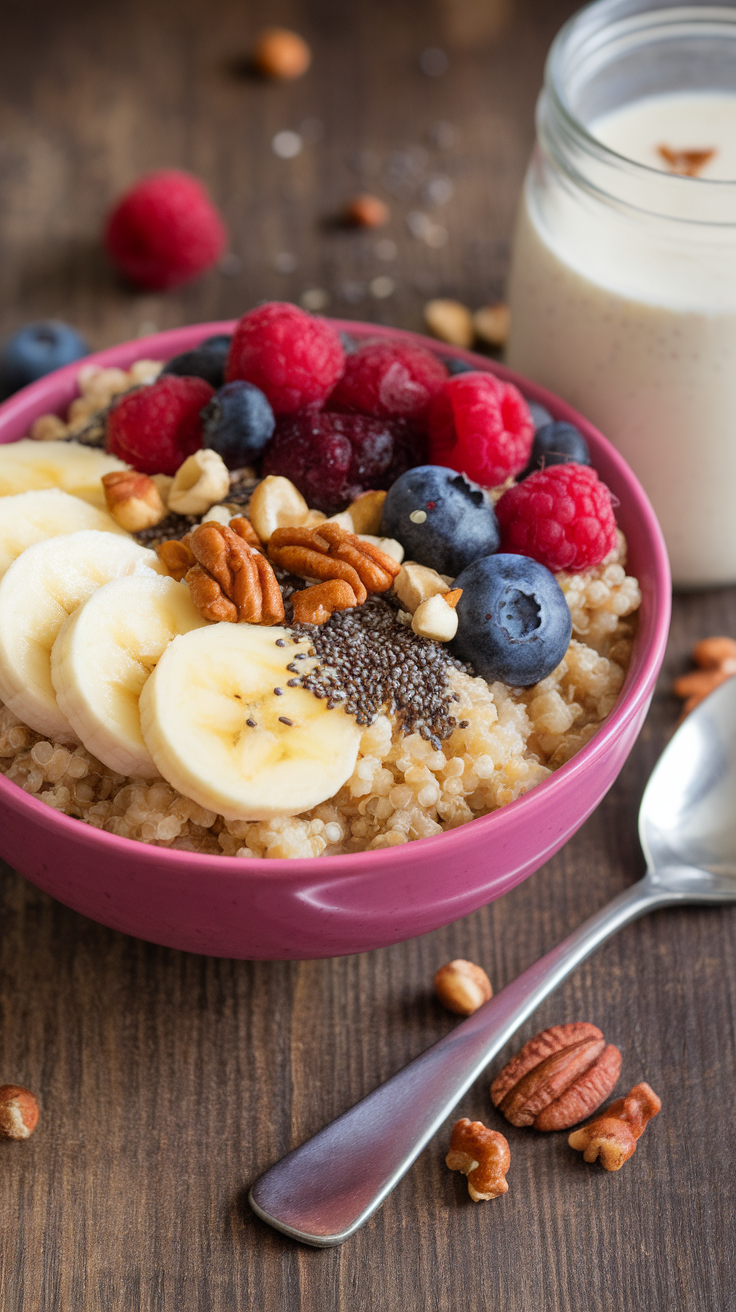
x=322 y=1192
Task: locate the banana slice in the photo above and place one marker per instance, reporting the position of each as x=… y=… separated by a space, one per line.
x=28 y=466
x=220 y=733
x=103 y=655
x=32 y=517
x=44 y=585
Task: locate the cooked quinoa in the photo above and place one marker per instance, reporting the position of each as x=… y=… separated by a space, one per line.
x=404 y=785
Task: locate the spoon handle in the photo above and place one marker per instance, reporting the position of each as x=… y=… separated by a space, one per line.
x=323 y=1191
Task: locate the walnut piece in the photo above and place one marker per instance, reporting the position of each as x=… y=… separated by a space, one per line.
x=482 y=1155
x=462 y=987
x=330 y=552
x=133 y=499
x=613 y=1135
x=230 y=580
x=559 y=1077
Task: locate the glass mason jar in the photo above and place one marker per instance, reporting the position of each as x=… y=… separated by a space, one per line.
x=623 y=280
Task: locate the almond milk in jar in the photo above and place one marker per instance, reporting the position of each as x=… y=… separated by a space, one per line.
x=623 y=282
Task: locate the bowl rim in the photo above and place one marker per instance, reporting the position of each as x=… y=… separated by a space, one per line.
x=55 y=391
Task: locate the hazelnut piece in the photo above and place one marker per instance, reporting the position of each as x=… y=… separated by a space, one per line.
x=202 y=481
x=435 y=618
x=492 y=324
x=277 y=503
x=281 y=54
x=366 y=212
x=462 y=987
x=18 y=1112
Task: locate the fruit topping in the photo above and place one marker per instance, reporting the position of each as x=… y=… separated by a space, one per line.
x=482 y=427
x=225 y=726
x=156 y=428
x=557 y=444
x=164 y=231
x=562 y=517
x=206 y=361
x=389 y=380
x=238 y=422
x=331 y=458
x=31 y=517
x=35 y=350
x=513 y=621
x=539 y=413
x=293 y=357
x=440 y=518
x=29 y=466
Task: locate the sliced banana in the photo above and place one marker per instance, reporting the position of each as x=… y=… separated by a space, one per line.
x=30 y=517
x=44 y=585
x=28 y=466
x=220 y=733
x=103 y=655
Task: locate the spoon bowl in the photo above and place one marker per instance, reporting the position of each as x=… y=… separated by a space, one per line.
x=322 y=1192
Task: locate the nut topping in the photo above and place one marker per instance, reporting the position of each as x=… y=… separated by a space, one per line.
x=199 y=483
x=462 y=987
x=18 y=1112
x=133 y=499
x=276 y=503
x=613 y=1135
x=230 y=580
x=482 y=1155
x=329 y=552
x=315 y=605
x=559 y=1077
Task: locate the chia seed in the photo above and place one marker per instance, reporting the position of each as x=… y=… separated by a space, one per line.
x=372 y=662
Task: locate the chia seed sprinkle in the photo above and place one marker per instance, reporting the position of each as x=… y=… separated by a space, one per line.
x=283 y=720
x=372 y=663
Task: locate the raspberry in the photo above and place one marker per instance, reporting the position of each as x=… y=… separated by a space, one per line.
x=156 y=427
x=389 y=380
x=561 y=516
x=293 y=357
x=331 y=458
x=481 y=427
x=164 y=231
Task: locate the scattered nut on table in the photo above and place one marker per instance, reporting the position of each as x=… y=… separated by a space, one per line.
x=451 y=321
x=716 y=661
x=491 y=324
x=612 y=1136
x=18 y=1112
x=281 y=54
x=462 y=987
x=482 y=1155
x=559 y=1077
x=366 y=212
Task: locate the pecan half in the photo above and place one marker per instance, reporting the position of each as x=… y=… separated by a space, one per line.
x=482 y=1155
x=177 y=555
x=330 y=552
x=613 y=1135
x=315 y=605
x=559 y=1077
x=230 y=580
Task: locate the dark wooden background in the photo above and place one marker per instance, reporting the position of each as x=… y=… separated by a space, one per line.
x=167 y=1081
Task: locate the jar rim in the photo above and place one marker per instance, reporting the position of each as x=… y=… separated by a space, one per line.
x=606 y=22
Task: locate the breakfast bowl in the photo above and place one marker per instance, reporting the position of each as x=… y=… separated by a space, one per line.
x=301 y=908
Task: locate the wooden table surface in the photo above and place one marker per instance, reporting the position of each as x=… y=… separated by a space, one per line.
x=168 y=1082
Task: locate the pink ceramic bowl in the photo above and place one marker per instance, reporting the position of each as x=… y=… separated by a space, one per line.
x=272 y=910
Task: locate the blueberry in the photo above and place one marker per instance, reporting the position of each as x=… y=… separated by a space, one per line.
x=206 y=361
x=459 y=366
x=556 y=444
x=440 y=518
x=37 y=349
x=540 y=414
x=513 y=621
x=237 y=423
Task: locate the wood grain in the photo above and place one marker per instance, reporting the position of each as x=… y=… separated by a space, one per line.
x=167 y=1081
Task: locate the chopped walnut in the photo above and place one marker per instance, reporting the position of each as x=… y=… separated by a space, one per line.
x=482 y=1155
